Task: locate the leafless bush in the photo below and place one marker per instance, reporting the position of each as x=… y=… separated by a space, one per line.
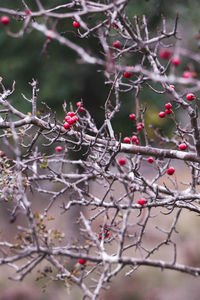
x=110 y=182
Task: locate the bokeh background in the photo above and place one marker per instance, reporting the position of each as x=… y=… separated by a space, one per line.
x=61 y=78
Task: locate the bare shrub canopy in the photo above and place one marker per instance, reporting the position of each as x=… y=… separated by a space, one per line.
x=129 y=191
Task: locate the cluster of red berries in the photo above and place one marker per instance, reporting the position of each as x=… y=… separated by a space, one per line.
x=122 y=161
x=106 y=233
x=134 y=140
x=82 y=261
x=167 y=111
x=114 y=25
x=5 y=20
x=79 y=104
x=140 y=125
x=71 y=118
x=188 y=74
x=166 y=54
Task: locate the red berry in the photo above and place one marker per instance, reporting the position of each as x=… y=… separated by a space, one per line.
x=50 y=34
x=136 y=142
x=142 y=201
x=170 y=171
x=70 y=120
x=107 y=234
x=5 y=20
x=67 y=126
x=175 y=61
x=76 y=24
x=132 y=116
x=122 y=161
x=115 y=26
x=190 y=97
x=168 y=111
x=161 y=114
x=117 y=44
x=172 y=86
x=182 y=146
x=67 y=118
x=165 y=54
x=127 y=140
x=71 y=114
x=168 y=105
x=74 y=119
x=187 y=74
x=80 y=105
x=134 y=138
x=28 y=12
x=150 y=160
x=80 y=109
x=58 y=148
x=140 y=125
x=81 y=261
x=127 y=74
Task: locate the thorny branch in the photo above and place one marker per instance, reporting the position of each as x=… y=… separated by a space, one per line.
x=128 y=199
